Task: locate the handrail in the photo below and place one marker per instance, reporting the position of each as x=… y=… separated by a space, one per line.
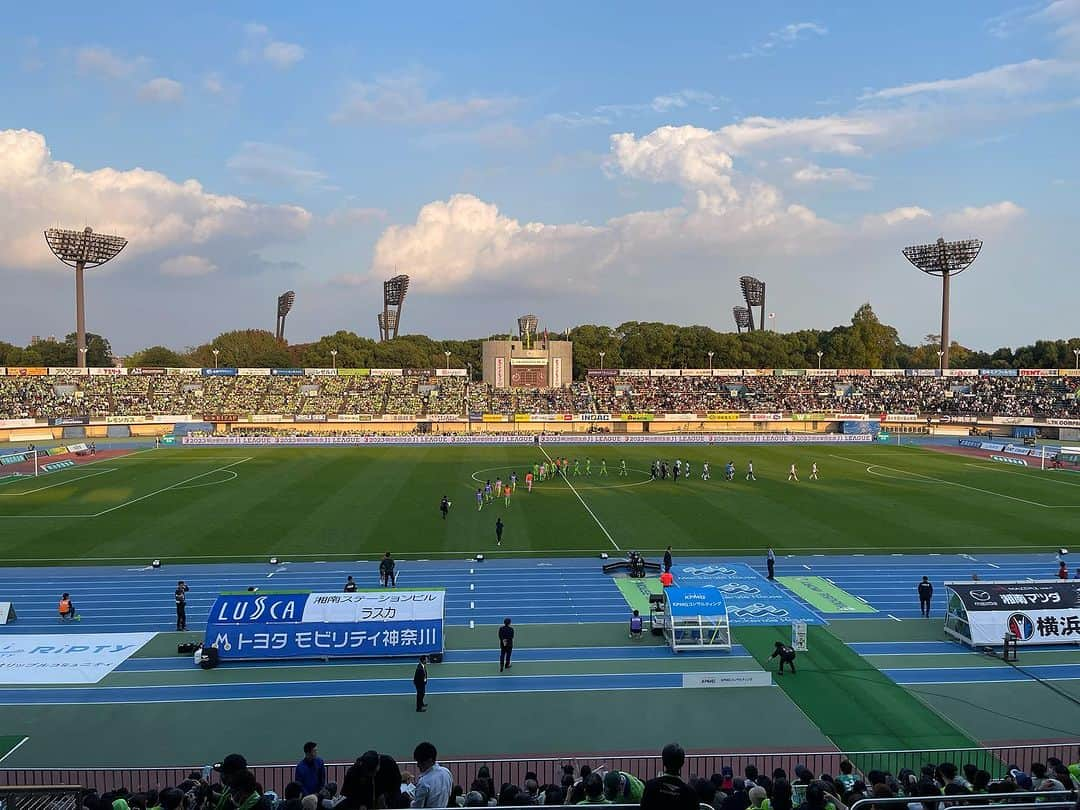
x=964 y=798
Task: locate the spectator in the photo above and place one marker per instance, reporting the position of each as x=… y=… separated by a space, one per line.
x=311 y=770
x=594 y=790
x=738 y=798
x=623 y=788
x=669 y=791
x=435 y=782
x=244 y=792
x=757 y=797
x=291 y=797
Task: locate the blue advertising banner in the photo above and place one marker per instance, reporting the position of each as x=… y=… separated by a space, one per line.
x=248 y=626
x=695 y=602
x=287 y=372
x=751 y=599
x=219 y=372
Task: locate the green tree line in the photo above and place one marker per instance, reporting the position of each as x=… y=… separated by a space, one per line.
x=865 y=342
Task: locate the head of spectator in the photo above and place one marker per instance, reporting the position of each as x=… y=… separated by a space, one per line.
x=310 y=802
x=1022 y=780
x=779 y=773
x=1038 y=770
x=293 y=790
x=230 y=766
x=674 y=757
x=781 y=794
x=955 y=789
x=757 y=796
x=311 y=751
x=751 y=773
x=242 y=786
x=1063 y=775
x=554 y=795
x=425 y=755
x=170 y=799
x=508 y=795
x=475 y=798
x=705 y=791
x=594 y=789
x=532 y=787
x=947 y=772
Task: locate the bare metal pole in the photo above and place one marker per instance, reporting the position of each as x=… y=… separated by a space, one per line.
x=80 y=317
x=945 y=321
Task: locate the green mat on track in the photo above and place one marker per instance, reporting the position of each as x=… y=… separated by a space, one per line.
x=853 y=704
x=823 y=595
x=636 y=592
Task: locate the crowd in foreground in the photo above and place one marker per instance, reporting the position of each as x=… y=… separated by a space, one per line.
x=377 y=781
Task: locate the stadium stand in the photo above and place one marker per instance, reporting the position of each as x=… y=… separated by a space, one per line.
x=717 y=783
x=416 y=395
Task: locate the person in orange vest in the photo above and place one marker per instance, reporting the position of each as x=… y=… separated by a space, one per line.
x=667 y=579
x=67 y=609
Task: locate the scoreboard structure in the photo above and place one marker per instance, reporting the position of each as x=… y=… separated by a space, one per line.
x=541 y=363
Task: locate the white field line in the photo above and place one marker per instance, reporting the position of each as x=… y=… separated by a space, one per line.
x=917 y=477
x=1002 y=468
x=607 y=534
x=65 y=482
x=14 y=748
x=171 y=486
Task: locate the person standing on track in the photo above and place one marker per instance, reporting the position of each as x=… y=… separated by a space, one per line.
x=926 y=592
x=506 y=644
x=387 y=571
x=67 y=609
x=350 y=585
x=444 y=506
x=667 y=559
x=181 y=605
x=770 y=563
x=419 y=680
x=498 y=531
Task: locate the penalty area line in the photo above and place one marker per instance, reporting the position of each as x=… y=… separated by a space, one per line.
x=581 y=500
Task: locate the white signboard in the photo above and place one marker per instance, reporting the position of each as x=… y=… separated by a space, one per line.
x=65 y=658
x=714 y=680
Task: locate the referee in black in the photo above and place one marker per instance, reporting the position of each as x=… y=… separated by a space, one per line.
x=181 y=605
x=926 y=593
x=506 y=644
x=420 y=682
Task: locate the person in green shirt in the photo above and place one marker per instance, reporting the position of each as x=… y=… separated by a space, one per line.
x=603 y=466
x=594 y=790
x=577 y=468
x=623 y=788
x=622 y=467
x=588 y=466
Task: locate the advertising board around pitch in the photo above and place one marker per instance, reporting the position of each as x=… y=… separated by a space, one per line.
x=295 y=624
x=37 y=660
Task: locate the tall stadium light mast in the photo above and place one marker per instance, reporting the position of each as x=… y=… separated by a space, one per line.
x=753 y=291
x=743 y=318
x=285 y=303
x=527 y=329
x=82 y=249
x=394 y=291
x=945 y=259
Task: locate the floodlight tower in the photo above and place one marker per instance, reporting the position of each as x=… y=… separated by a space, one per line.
x=753 y=291
x=743 y=318
x=527 y=329
x=945 y=259
x=394 y=291
x=285 y=303
x=82 y=249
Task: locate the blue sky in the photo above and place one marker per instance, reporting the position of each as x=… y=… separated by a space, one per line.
x=593 y=162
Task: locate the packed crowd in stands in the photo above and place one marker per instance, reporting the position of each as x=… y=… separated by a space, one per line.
x=376 y=781
x=47 y=397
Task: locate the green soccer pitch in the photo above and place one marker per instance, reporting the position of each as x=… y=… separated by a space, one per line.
x=326 y=503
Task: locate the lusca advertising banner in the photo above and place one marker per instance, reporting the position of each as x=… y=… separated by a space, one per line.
x=246 y=626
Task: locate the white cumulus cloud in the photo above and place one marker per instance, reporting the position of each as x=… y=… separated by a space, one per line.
x=261 y=46
x=102 y=62
x=159 y=216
